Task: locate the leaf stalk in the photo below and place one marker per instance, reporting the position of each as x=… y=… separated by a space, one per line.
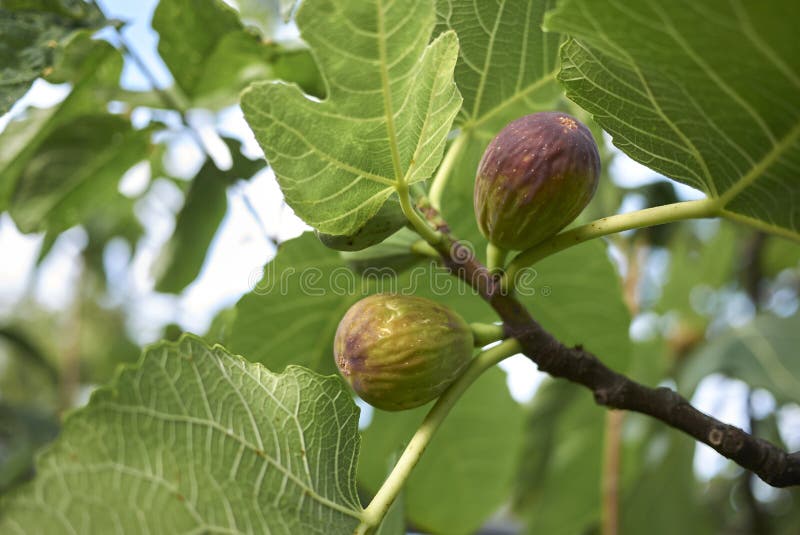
x=648 y=217
x=378 y=507
x=439 y=181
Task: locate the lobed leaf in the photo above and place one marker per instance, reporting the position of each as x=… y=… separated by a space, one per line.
x=390 y=103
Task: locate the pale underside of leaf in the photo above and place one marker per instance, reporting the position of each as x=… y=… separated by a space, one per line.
x=195 y=440
x=505 y=59
x=701 y=93
x=391 y=101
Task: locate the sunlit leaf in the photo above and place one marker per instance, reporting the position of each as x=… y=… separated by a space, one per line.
x=704 y=93
x=391 y=101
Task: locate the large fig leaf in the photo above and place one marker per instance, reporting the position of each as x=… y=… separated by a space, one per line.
x=506 y=65
x=702 y=92
x=391 y=102
x=194 y=439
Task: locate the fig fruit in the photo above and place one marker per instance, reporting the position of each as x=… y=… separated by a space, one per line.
x=389 y=219
x=534 y=178
x=399 y=352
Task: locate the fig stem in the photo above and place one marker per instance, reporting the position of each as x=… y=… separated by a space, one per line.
x=487 y=333
x=648 y=217
x=420 y=225
x=495 y=258
x=436 y=191
x=423 y=248
x=372 y=516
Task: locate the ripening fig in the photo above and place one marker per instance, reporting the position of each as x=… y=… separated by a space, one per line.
x=535 y=177
x=399 y=352
x=389 y=219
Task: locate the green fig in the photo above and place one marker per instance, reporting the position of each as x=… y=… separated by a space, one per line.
x=535 y=177
x=389 y=219
x=399 y=352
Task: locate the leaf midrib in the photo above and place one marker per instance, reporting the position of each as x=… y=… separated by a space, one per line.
x=387 y=93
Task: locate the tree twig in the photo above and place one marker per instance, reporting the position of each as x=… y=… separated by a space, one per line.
x=611 y=389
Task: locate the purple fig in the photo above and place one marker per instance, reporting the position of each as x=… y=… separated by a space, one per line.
x=399 y=352
x=535 y=177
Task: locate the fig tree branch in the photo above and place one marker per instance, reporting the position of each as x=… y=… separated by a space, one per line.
x=611 y=389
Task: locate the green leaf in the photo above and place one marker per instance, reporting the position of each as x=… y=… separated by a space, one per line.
x=467 y=470
x=197 y=223
x=666 y=478
x=705 y=94
x=507 y=65
x=559 y=478
x=195 y=439
x=210 y=54
x=577 y=296
x=391 y=101
x=23 y=430
x=75 y=171
x=94 y=68
x=693 y=264
x=292 y=313
x=779 y=254
x=761 y=353
x=30 y=31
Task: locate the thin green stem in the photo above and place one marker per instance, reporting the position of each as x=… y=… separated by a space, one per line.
x=420 y=225
x=659 y=215
x=376 y=510
x=439 y=181
x=486 y=333
x=423 y=248
x=495 y=258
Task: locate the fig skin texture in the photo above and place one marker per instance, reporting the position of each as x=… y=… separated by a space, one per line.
x=536 y=176
x=389 y=219
x=399 y=352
